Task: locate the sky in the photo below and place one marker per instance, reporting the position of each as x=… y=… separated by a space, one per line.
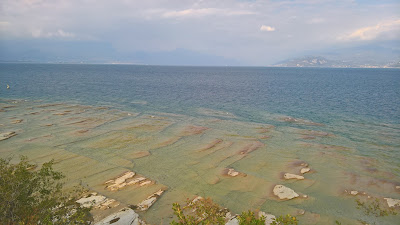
x=246 y=32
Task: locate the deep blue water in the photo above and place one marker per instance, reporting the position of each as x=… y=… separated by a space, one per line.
x=318 y=94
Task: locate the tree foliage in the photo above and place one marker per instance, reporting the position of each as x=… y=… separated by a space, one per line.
x=36 y=196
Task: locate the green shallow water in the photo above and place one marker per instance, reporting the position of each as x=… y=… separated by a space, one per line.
x=188 y=155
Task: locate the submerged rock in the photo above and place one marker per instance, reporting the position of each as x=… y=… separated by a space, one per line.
x=284 y=192
x=392 y=202
x=17 y=121
x=289 y=176
x=7 y=135
x=125 y=216
x=140 y=154
x=289 y=119
x=149 y=201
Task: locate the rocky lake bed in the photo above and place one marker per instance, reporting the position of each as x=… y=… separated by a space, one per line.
x=137 y=164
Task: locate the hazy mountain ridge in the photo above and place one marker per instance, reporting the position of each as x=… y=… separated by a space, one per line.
x=319 y=61
x=384 y=54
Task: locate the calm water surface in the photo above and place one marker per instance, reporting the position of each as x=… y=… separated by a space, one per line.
x=358 y=108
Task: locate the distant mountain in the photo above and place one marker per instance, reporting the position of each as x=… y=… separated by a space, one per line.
x=319 y=61
x=100 y=52
x=310 y=61
x=375 y=54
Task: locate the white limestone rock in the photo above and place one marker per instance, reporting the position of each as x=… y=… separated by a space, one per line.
x=121 y=181
x=93 y=200
x=124 y=177
x=149 y=201
x=125 y=216
x=108 y=203
x=289 y=176
x=305 y=170
x=145 y=183
x=136 y=180
x=392 y=202
x=284 y=192
x=232 y=173
x=354 y=193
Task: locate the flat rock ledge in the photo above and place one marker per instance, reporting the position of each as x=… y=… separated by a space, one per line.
x=284 y=192
x=392 y=202
x=125 y=216
x=289 y=176
x=7 y=135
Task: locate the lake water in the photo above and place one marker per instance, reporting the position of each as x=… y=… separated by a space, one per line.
x=183 y=127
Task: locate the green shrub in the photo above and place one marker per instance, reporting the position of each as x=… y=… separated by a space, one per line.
x=203 y=211
x=286 y=220
x=206 y=212
x=248 y=218
x=36 y=196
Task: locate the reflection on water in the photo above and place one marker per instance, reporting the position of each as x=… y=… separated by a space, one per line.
x=197 y=155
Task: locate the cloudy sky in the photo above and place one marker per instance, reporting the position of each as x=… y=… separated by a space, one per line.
x=250 y=32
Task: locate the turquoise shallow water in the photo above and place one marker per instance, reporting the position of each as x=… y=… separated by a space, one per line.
x=347 y=128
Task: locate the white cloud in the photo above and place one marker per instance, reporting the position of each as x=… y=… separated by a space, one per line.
x=38 y=33
x=205 y=12
x=373 y=32
x=267 y=28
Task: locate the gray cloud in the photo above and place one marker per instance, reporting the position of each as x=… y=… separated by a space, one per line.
x=225 y=28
